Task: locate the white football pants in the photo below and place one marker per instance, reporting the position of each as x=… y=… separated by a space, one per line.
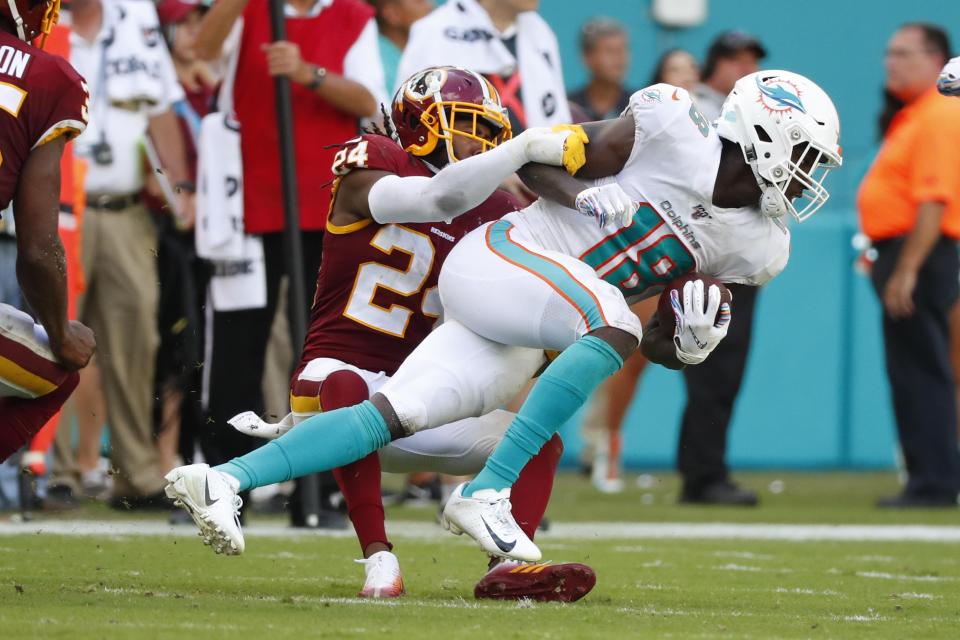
x=460 y=448
x=498 y=289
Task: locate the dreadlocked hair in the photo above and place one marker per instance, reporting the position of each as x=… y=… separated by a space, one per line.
x=384 y=127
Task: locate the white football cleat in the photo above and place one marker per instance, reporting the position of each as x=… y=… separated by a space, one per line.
x=487 y=518
x=210 y=497
x=383 y=576
x=250 y=424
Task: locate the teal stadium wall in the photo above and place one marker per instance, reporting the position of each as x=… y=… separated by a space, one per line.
x=815 y=395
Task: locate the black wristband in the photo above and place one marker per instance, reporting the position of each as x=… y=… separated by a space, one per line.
x=319 y=75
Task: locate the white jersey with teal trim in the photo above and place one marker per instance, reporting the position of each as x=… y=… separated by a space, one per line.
x=671 y=171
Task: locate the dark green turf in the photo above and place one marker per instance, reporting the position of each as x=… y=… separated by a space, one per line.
x=159 y=587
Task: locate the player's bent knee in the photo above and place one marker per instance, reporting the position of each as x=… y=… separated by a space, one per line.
x=326 y=384
x=342 y=389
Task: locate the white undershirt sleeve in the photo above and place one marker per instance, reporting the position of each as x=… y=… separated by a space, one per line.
x=457 y=188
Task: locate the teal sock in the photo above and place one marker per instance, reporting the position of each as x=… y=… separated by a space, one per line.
x=562 y=389
x=325 y=441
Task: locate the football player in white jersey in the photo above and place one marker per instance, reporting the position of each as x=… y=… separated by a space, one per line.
x=949 y=82
x=678 y=196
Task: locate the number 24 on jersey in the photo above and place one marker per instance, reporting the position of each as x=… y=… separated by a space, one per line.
x=349 y=158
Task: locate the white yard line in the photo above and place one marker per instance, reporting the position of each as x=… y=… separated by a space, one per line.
x=567 y=531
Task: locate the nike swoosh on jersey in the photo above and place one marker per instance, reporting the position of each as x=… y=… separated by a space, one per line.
x=675 y=96
x=504 y=546
x=206 y=494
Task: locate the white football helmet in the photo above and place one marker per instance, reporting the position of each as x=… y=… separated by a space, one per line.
x=789 y=131
x=949 y=82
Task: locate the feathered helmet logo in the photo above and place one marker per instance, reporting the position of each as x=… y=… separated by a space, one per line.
x=778 y=95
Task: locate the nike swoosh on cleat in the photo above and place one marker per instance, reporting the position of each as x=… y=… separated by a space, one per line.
x=506 y=547
x=206 y=494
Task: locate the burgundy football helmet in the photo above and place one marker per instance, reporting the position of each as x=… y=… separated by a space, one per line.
x=429 y=102
x=31 y=18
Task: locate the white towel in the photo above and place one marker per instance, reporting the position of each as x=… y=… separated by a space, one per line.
x=138 y=63
x=461 y=34
x=219 y=228
x=239 y=277
x=240 y=284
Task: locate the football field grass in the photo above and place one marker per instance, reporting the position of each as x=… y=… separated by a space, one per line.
x=119 y=584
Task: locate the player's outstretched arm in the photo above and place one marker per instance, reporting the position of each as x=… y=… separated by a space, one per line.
x=461 y=186
x=611 y=143
x=552 y=183
x=41 y=266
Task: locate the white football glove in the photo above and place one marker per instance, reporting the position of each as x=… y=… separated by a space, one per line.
x=559 y=146
x=250 y=424
x=698 y=331
x=608 y=203
x=949 y=82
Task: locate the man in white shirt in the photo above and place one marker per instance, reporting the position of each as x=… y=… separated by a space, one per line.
x=117 y=46
x=506 y=41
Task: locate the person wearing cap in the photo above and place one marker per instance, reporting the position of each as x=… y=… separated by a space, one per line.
x=731 y=56
x=606 y=55
x=181 y=22
x=117 y=47
x=712 y=387
x=909 y=204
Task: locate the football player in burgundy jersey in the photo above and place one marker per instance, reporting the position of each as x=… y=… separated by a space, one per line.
x=377 y=299
x=43 y=103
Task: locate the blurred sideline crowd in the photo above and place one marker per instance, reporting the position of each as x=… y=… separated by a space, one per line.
x=189 y=308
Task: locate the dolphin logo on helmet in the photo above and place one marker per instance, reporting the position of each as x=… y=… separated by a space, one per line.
x=780 y=95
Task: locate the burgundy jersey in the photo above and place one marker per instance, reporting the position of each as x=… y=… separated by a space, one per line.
x=377 y=289
x=41 y=97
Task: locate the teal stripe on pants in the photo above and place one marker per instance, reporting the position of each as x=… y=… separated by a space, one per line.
x=551 y=272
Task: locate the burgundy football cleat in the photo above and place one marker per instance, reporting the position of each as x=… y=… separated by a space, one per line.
x=541 y=581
